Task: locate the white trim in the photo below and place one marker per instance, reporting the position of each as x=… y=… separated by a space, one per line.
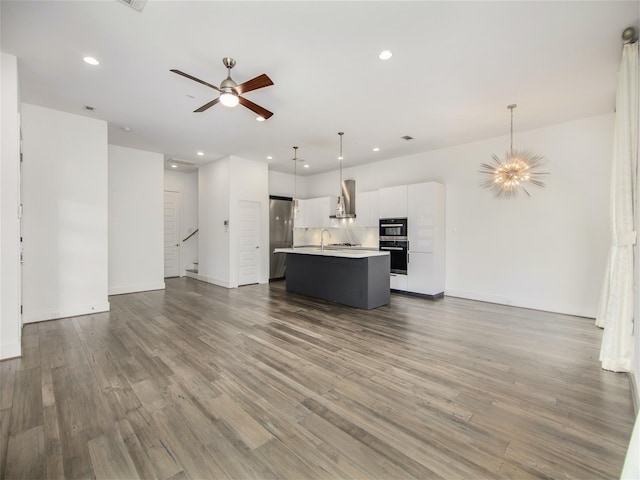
x=565 y=309
x=213 y=281
x=136 y=288
x=42 y=315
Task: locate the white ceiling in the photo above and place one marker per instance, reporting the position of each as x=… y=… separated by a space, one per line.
x=455 y=68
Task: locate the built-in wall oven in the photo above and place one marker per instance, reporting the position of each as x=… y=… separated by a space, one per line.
x=393 y=239
x=393 y=229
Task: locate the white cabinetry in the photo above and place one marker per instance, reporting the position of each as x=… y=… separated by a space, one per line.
x=426 y=235
x=398 y=282
x=300 y=218
x=367 y=209
x=393 y=202
x=422 y=274
x=314 y=213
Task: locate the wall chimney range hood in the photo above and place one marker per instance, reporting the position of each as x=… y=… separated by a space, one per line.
x=349 y=198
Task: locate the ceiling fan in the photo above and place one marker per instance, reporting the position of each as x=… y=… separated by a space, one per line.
x=230 y=91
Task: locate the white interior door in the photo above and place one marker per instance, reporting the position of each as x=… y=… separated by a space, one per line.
x=249 y=242
x=171 y=234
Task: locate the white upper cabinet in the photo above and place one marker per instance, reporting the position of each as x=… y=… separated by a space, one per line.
x=367 y=209
x=300 y=218
x=426 y=215
x=393 y=202
x=314 y=213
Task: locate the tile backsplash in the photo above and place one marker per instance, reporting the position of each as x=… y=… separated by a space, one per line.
x=364 y=236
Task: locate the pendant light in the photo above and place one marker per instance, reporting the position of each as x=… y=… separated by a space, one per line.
x=340 y=205
x=295 y=205
x=510 y=176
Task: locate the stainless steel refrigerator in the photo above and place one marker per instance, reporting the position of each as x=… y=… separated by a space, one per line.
x=280 y=234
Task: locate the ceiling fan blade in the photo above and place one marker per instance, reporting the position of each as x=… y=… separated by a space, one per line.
x=259 y=82
x=263 y=112
x=190 y=77
x=207 y=105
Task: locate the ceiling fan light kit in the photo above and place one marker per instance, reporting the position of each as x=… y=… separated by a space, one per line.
x=509 y=177
x=231 y=92
x=229 y=99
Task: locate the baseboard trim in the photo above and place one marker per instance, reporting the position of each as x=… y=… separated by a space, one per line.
x=574 y=310
x=145 y=287
x=428 y=296
x=56 y=313
x=212 y=281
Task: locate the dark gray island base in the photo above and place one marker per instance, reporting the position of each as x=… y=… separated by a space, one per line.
x=361 y=282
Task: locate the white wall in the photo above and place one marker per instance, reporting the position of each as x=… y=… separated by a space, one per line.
x=249 y=182
x=221 y=186
x=187 y=185
x=65 y=223
x=282 y=185
x=136 y=220
x=546 y=252
x=10 y=322
x=213 y=210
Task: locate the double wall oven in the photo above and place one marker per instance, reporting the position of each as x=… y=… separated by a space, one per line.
x=393 y=238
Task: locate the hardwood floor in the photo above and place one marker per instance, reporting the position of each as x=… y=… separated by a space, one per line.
x=203 y=382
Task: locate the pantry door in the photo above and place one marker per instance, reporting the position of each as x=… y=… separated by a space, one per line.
x=171 y=234
x=248 y=242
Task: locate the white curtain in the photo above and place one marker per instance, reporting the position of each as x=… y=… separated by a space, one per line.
x=615 y=311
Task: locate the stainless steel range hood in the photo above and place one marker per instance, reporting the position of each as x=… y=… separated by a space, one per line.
x=349 y=197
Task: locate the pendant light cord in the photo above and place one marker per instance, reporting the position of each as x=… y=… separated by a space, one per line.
x=295 y=172
x=341 y=134
x=511 y=107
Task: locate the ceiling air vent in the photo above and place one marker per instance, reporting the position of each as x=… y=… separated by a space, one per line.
x=137 y=5
x=407 y=137
x=181 y=162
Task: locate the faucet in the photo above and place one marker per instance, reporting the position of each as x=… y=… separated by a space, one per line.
x=322 y=239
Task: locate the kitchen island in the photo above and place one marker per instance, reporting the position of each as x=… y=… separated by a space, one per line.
x=355 y=277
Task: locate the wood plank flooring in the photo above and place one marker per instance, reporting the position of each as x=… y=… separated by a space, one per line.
x=202 y=382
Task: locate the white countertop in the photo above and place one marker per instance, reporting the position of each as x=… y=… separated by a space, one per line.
x=333 y=252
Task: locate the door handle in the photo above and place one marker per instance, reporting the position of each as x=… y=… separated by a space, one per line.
x=177 y=244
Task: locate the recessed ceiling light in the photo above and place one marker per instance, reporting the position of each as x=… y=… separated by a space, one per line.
x=174 y=165
x=200 y=154
x=269 y=157
x=376 y=149
x=385 y=55
x=260 y=118
x=306 y=165
x=91 y=61
x=126 y=129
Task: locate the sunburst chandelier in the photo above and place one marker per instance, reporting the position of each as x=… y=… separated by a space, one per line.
x=508 y=177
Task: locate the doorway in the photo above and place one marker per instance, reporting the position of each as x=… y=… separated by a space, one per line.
x=248 y=242
x=171 y=234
